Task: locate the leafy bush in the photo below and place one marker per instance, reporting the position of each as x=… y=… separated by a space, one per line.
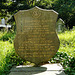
x=11 y=60
x=66 y=52
x=5 y=48
x=7 y=36
x=66 y=61
x=67 y=42
x=8 y=57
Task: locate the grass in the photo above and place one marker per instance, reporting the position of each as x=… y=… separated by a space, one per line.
x=5 y=48
x=67 y=42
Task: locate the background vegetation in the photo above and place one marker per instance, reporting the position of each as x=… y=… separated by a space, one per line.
x=65 y=8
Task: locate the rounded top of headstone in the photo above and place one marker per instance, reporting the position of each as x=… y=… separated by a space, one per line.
x=60 y=20
x=37 y=8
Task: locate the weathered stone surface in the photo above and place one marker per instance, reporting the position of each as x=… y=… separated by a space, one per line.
x=60 y=25
x=36 y=39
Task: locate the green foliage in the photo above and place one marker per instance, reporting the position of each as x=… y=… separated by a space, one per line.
x=67 y=42
x=14 y=58
x=68 y=62
x=1 y=34
x=7 y=36
x=5 y=48
x=66 y=52
x=8 y=57
x=2 y=8
x=11 y=60
x=65 y=8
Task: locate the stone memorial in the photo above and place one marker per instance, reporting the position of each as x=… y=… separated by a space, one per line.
x=3 y=21
x=60 y=25
x=36 y=39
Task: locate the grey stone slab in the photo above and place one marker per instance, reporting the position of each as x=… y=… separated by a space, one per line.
x=47 y=69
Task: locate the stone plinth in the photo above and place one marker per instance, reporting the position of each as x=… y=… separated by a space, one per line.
x=47 y=69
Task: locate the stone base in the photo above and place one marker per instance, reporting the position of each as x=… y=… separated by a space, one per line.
x=47 y=69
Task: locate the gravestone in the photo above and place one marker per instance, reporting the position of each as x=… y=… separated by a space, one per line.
x=36 y=39
x=60 y=25
x=3 y=21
